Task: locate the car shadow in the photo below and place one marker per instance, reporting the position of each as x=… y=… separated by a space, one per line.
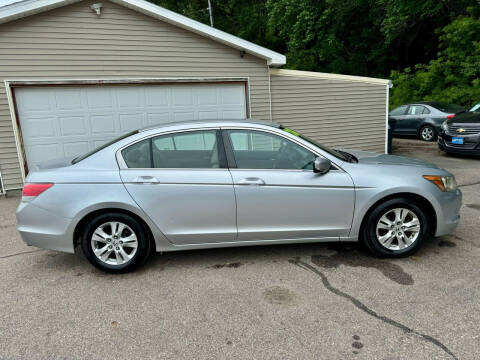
x=324 y=255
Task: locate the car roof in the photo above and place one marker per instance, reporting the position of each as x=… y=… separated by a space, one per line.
x=212 y=122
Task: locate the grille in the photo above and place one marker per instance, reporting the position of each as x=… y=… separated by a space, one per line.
x=469 y=130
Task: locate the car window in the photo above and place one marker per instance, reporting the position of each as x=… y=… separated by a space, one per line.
x=398 y=111
x=261 y=150
x=138 y=155
x=193 y=150
x=415 y=110
x=426 y=110
x=101 y=147
x=475 y=107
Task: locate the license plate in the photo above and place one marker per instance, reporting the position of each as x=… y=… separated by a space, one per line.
x=457 y=140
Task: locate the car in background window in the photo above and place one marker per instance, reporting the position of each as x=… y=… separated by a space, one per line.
x=423 y=119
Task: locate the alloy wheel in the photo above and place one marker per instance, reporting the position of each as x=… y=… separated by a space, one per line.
x=427 y=133
x=398 y=229
x=114 y=243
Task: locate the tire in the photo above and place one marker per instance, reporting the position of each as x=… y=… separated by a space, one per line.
x=120 y=248
x=428 y=133
x=376 y=228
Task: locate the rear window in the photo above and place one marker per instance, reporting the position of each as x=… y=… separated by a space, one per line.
x=97 y=149
x=448 y=108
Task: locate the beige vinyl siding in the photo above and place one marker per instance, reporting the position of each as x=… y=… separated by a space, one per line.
x=73 y=43
x=340 y=113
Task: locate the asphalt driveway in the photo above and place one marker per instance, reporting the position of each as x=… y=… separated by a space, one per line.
x=311 y=301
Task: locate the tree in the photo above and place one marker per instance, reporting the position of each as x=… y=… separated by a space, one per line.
x=454 y=76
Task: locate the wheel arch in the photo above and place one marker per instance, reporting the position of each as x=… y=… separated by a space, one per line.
x=80 y=226
x=419 y=200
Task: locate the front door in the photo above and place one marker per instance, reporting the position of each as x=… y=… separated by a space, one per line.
x=181 y=182
x=279 y=197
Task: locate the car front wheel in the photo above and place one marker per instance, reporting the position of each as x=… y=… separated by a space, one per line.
x=115 y=242
x=395 y=228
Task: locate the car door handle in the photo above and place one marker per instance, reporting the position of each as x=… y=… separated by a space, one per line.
x=251 y=181
x=146 y=180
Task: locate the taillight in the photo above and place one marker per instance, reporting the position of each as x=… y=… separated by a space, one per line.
x=35 y=189
x=450 y=116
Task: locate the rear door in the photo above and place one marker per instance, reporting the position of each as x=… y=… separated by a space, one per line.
x=279 y=197
x=181 y=182
x=413 y=119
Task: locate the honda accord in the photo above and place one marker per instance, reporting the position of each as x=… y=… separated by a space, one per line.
x=208 y=184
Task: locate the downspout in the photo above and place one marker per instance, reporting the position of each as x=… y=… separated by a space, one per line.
x=270 y=93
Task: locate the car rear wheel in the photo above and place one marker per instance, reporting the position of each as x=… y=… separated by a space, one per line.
x=395 y=228
x=115 y=242
x=428 y=133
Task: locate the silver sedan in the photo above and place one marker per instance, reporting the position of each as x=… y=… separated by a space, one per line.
x=208 y=184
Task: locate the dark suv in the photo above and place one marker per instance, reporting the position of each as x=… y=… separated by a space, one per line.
x=422 y=119
x=461 y=134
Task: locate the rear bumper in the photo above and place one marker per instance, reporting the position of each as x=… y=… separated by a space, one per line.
x=44 y=229
x=448 y=212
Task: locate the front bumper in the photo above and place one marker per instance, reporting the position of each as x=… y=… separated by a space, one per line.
x=44 y=229
x=471 y=145
x=448 y=211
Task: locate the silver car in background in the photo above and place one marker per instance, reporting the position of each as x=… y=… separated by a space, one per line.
x=209 y=184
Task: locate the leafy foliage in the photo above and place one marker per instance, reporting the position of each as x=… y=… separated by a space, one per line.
x=429 y=48
x=454 y=76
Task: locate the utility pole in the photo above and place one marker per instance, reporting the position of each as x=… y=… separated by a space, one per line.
x=210 y=13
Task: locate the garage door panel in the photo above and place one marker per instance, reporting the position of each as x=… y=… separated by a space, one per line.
x=207 y=96
x=68 y=99
x=72 y=149
x=102 y=124
x=32 y=100
x=183 y=116
x=157 y=96
x=130 y=122
x=99 y=98
x=130 y=97
x=232 y=96
x=158 y=118
x=39 y=152
x=59 y=121
x=38 y=127
x=208 y=115
x=73 y=125
x=182 y=96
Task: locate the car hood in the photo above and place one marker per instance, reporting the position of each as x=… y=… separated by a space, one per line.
x=465 y=118
x=367 y=157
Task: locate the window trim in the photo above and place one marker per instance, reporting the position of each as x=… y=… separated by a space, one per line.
x=220 y=144
x=231 y=161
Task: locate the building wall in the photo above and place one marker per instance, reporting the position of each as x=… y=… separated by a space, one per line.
x=339 y=111
x=73 y=43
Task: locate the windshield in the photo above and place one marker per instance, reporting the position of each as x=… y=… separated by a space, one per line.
x=332 y=152
x=90 y=153
x=475 y=108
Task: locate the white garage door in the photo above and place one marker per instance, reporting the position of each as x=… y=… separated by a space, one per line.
x=66 y=121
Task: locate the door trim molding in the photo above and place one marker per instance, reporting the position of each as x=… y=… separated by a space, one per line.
x=11 y=84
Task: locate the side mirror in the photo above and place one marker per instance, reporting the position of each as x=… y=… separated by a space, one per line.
x=321 y=165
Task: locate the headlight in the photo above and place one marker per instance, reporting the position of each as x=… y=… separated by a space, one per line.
x=444 y=183
x=444 y=125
